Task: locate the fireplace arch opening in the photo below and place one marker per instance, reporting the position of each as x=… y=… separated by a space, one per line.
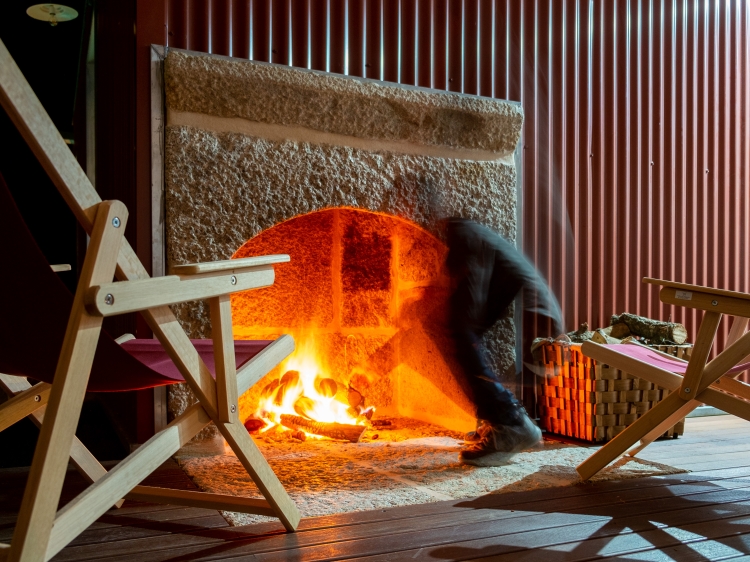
x=365 y=295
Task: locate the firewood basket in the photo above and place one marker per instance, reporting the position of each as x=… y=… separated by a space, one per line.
x=581 y=398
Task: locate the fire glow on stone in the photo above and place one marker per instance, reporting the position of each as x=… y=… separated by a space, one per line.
x=365 y=297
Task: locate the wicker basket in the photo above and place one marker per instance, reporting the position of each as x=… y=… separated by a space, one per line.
x=581 y=398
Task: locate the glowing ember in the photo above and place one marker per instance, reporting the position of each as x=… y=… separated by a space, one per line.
x=303 y=390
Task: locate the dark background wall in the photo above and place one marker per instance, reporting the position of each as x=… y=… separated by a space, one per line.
x=636 y=147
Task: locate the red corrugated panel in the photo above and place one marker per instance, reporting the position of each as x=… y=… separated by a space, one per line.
x=636 y=146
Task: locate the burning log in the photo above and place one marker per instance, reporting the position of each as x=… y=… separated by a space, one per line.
x=290 y=378
x=254 y=424
x=342 y=431
x=304 y=405
x=654 y=330
x=355 y=397
x=326 y=387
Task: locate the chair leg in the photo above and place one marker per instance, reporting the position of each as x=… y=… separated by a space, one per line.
x=50 y=462
x=632 y=434
x=660 y=429
x=21 y=400
x=262 y=474
x=82 y=459
x=182 y=352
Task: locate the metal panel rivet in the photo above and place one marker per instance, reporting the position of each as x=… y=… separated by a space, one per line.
x=233 y=279
x=715 y=303
x=116 y=222
x=109 y=299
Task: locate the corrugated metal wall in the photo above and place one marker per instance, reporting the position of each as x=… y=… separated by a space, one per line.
x=636 y=143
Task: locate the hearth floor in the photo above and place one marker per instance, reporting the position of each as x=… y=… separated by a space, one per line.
x=407 y=463
x=702 y=515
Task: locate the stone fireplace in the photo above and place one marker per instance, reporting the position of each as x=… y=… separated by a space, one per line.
x=336 y=172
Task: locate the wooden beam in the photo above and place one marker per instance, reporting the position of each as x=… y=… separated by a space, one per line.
x=707 y=301
x=698 y=356
x=261 y=473
x=630 y=435
x=82 y=459
x=204 y=500
x=696 y=288
x=661 y=428
x=91 y=504
x=22 y=403
x=228 y=266
x=78 y=514
x=738 y=329
x=57 y=268
x=43 y=487
x=726 y=402
x=723 y=362
x=111 y=299
x=260 y=365
x=226 y=369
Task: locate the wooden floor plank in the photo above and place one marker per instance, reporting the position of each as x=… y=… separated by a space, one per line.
x=703 y=515
x=728 y=549
x=312 y=544
x=578 y=542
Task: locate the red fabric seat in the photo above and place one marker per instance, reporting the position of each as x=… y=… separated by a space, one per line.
x=35 y=307
x=657 y=360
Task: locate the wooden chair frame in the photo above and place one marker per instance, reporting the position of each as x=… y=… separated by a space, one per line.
x=41 y=530
x=10 y=413
x=703 y=382
x=86 y=463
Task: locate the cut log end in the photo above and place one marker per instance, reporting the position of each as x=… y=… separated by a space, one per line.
x=340 y=431
x=654 y=330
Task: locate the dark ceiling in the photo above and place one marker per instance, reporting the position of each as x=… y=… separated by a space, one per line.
x=48 y=56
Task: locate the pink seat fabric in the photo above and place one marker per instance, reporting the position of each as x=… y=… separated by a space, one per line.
x=152 y=355
x=35 y=306
x=657 y=360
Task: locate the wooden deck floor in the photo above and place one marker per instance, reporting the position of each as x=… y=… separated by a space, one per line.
x=703 y=515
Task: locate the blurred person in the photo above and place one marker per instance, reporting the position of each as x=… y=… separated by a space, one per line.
x=488 y=272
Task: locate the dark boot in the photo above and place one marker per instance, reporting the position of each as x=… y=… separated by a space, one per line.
x=499 y=443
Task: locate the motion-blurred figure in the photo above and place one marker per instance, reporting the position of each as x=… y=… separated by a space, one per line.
x=488 y=273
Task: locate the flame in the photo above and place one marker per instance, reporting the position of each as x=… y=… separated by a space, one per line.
x=304 y=390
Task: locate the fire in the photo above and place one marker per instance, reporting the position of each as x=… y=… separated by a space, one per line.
x=303 y=390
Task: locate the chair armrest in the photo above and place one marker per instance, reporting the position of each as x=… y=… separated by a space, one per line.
x=57 y=268
x=121 y=297
x=227 y=265
x=124 y=338
x=703 y=298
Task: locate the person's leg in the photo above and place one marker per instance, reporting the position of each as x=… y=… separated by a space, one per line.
x=507 y=428
x=495 y=404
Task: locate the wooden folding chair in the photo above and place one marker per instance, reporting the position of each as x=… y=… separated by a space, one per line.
x=692 y=383
x=41 y=531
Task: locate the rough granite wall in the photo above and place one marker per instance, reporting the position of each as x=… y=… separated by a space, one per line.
x=277 y=94
x=225 y=187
